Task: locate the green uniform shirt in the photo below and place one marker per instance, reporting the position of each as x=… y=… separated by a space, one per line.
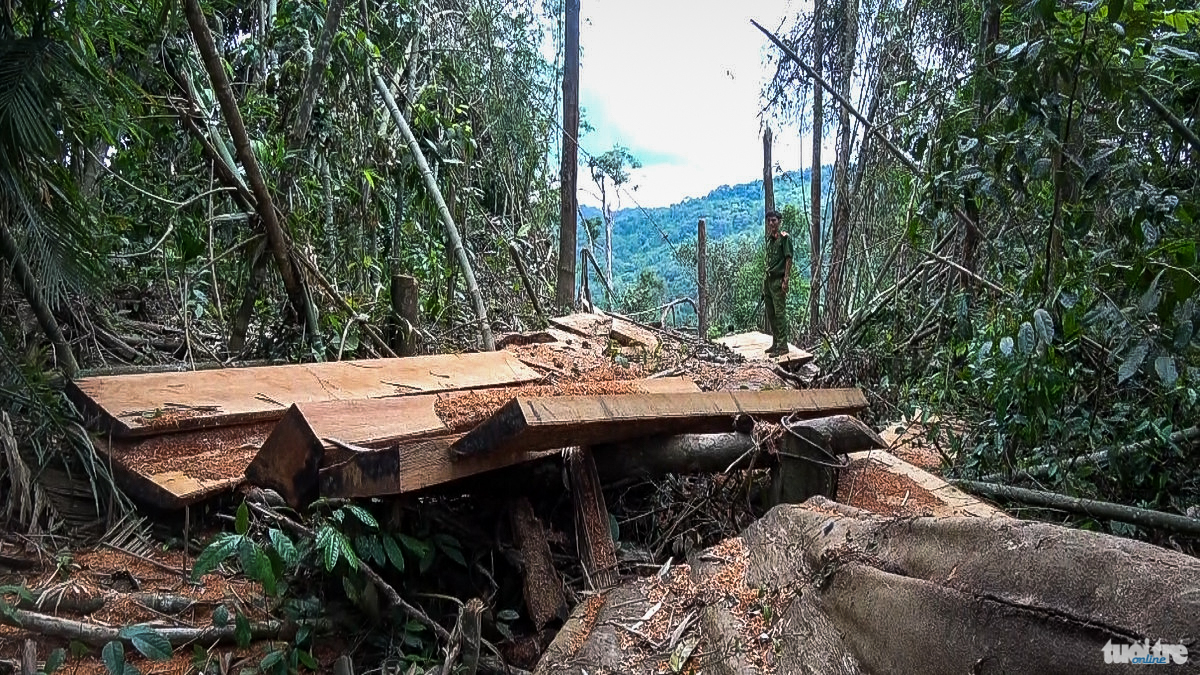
x=779 y=251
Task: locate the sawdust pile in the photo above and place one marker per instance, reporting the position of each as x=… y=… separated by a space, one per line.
x=109 y=587
x=753 y=376
x=462 y=411
x=205 y=454
x=867 y=484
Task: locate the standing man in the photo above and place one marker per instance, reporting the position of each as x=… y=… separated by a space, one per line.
x=775 y=285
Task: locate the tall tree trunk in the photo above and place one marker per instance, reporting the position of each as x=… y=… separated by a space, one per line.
x=316 y=74
x=768 y=171
x=564 y=290
x=245 y=311
x=834 y=302
x=31 y=289
x=460 y=253
x=293 y=283
x=814 y=230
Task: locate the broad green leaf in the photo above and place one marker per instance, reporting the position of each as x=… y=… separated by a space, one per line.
x=1133 y=361
x=1149 y=300
x=1183 y=334
x=364 y=516
x=1165 y=367
x=55 y=661
x=215 y=553
x=1006 y=345
x=152 y=644
x=393 y=552
x=307 y=660
x=1114 y=9
x=1044 y=325
x=220 y=616
x=271 y=660
x=256 y=564
x=113 y=656
x=285 y=548
x=368 y=547
x=418 y=548
x=241 y=630
x=242 y=523
x=1025 y=338
x=329 y=544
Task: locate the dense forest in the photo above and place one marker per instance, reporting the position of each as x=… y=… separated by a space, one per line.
x=1006 y=237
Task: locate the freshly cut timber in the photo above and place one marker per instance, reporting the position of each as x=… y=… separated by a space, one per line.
x=152 y=403
x=753 y=346
x=307 y=439
x=630 y=334
x=586 y=324
x=531 y=424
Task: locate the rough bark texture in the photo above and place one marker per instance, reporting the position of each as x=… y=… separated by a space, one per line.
x=594 y=538
x=543 y=587
x=814 y=230
x=406 y=310
x=768 y=171
x=850 y=592
x=569 y=170
x=834 y=302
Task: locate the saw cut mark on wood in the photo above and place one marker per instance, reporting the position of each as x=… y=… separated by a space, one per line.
x=753 y=346
x=407 y=465
x=955 y=502
x=631 y=335
x=540 y=424
x=585 y=324
x=152 y=403
x=171 y=471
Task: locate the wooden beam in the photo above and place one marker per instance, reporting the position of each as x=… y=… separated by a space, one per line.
x=585 y=324
x=632 y=335
x=542 y=424
x=153 y=403
x=593 y=535
x=753 y=346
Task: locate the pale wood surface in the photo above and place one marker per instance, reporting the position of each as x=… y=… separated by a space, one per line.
x=150 y=403
x=585 y=324
x=955 y=502
x=754 y=345
x=538 y=424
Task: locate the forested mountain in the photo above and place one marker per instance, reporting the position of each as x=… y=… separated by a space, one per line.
x=647 y=239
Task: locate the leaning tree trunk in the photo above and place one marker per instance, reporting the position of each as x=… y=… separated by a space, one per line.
x=768 y=174
x=293 y=283
x=564 y=289
x=316 y=74
x=28 y=284
x=814 y=231
x=485 y=330
x=834 y=302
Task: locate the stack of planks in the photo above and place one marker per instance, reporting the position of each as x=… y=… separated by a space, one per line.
x=175 y=438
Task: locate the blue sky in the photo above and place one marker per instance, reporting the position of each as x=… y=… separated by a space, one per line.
x=678 y=83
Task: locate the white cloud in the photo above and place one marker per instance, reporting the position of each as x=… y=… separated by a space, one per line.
x=678 y=83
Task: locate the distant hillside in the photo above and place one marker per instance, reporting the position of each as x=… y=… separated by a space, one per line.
x=730 y=211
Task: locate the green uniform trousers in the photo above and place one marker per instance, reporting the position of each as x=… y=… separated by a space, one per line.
x=777 y=316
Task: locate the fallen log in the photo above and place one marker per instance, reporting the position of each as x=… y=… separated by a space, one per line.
x=541 y=424
x=96 y=634
x=849 y=592
x=1087 y=507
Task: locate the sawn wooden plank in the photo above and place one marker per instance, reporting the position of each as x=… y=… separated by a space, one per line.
x=146 y=404
x=292 y=455
x=754 y=345
x=541 y=424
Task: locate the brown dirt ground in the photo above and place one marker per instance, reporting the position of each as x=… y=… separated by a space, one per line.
x=113 y=574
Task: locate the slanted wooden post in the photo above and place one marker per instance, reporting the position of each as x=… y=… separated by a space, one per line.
x=405 y=314
x=543 y=587
x=593 y=537
x=702 y=281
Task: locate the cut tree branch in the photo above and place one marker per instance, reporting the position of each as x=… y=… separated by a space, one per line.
x=1087 y=507
x=1170 y=118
